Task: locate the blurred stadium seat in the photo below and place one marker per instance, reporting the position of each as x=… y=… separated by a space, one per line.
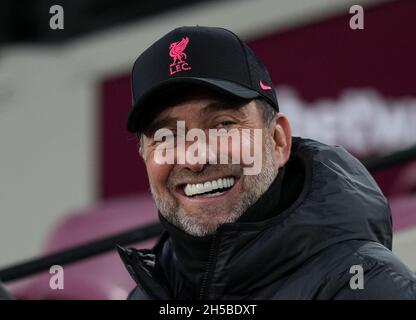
x=397 y=180
x=100 y=277
x=405 y=181
x=404 y=211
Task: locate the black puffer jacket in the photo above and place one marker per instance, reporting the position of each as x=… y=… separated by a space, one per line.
x=339 y=219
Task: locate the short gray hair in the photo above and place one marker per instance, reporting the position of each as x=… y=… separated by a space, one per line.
x=267 y=111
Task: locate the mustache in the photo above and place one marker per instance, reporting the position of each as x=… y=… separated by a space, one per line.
x=208 y=171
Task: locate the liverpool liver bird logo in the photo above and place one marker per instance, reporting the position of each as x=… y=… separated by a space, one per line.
x=176 y=50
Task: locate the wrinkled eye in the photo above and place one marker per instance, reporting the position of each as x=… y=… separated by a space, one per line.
x=225 y=123
x=165 y=135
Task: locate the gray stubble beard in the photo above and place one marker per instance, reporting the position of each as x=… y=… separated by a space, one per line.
x=171 y=211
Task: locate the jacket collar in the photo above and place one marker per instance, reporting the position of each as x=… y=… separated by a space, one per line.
x=338 y=201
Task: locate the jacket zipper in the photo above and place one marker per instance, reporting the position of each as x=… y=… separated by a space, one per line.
x=144 y=276
x=209 y=269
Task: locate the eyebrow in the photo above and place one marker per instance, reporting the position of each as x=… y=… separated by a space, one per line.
x=160 y=123
x=214 y=106
x=223 y=105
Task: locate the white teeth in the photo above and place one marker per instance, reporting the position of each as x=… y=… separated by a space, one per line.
x=199 y=188
x=208 y=186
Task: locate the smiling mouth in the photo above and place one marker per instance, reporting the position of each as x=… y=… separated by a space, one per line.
x=210 y=188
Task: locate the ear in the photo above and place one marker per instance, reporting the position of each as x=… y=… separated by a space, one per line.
x=282 y=136
x=140 y=144
x=141 y=150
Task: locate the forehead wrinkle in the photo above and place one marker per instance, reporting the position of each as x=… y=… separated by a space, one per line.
x=216 y=106
x=162 y=121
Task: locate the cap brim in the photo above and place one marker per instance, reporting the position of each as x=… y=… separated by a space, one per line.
x=134 y=123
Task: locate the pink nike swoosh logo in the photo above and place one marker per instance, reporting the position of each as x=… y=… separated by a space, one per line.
x=264 y=87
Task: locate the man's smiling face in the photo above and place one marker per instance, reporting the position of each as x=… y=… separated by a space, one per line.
x=198 y=198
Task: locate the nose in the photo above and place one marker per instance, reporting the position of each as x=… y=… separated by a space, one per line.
x=194 y=167
x=195 y=156
x=195 y=152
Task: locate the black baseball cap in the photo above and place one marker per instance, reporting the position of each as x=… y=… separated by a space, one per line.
x=195 y=56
